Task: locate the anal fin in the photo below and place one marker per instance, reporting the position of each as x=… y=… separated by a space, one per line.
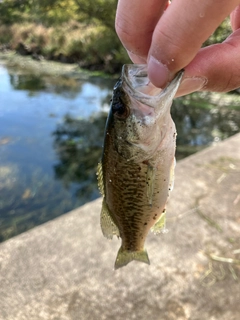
x=160 y=225
x=109 y=228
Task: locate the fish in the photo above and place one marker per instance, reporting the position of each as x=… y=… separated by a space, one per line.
x=136 y=171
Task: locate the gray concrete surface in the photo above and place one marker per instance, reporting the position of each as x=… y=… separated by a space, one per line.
x=63 y=269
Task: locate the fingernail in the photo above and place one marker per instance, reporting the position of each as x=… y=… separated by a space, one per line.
x=135 y=58
x=190 y=85
x=158 y=73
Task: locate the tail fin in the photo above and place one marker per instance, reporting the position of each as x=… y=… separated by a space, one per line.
x=124 y=257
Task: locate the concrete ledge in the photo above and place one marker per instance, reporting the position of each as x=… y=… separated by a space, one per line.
x=63 y=270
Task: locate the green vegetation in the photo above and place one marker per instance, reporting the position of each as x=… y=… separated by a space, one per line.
x=68 y=31
x=221 y=33
x=73 y=31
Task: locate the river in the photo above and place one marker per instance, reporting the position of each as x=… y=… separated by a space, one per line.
x=51 y=134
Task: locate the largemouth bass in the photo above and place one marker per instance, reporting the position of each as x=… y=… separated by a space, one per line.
x=136 y=171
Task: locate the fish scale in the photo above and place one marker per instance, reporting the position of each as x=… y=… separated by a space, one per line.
x=136 y=170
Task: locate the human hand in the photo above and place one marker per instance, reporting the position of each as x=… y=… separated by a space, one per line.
x=171 y=40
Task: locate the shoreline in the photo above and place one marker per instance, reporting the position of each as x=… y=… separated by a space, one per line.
x=49 y=67
x=73 y=70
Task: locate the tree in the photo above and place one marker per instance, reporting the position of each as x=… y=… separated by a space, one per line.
x=101 y=10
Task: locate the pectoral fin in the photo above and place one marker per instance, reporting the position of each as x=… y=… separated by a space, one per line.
x=171 y=178
x=160 y=225
x=109 y=228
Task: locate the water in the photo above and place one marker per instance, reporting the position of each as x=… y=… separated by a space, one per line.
x=51 y=134
x=36 y=182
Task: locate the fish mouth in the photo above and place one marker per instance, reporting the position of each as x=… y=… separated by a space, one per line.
x=136 y=77
x=137 y=85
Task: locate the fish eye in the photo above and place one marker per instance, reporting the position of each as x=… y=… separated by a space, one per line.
x=119 y=109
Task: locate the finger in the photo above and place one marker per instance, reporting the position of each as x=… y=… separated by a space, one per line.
x=179 y=34
x=135 y=22
x=215 y=68
x=235 y=18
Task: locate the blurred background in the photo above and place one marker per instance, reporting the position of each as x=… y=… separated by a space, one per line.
x=59 y=61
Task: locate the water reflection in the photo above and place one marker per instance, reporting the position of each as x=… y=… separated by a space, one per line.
x=27 y=82
x=51 y=135
x=78 y=144
x=198 y=127
x=64 y=86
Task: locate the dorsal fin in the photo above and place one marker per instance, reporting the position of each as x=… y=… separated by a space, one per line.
x=100 y=178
